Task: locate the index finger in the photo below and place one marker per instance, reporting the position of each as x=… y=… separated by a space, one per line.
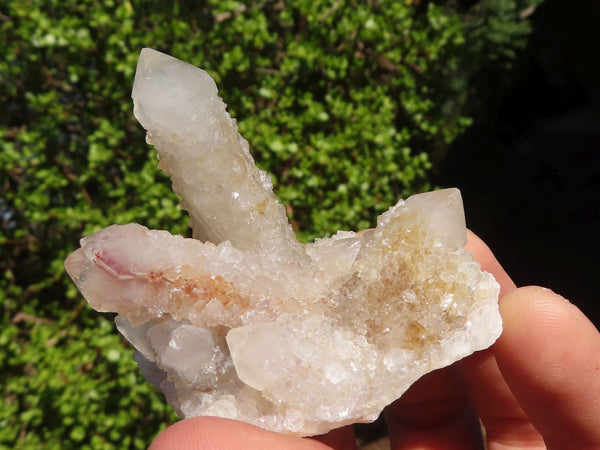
x=500 y=412
x=489 y=263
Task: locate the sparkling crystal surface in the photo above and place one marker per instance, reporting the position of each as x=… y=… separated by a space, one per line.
x=245 y=322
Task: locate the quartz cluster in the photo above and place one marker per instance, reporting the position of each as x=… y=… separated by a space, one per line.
x=245 y=322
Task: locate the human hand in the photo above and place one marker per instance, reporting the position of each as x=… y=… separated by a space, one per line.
x=537 y=387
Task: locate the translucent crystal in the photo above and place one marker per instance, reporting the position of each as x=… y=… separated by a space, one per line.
x=246 y=323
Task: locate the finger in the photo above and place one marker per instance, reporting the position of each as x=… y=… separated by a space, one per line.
x=211 y=433
x=549 y=356
x=340 y=438
x=434 y=414
x=505 y=422
x=489 y=263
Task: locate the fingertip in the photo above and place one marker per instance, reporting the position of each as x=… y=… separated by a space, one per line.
x=534 y=323
x=538 y=315
x=185 y=434
x=548 y=356
x=543 y=331
x=212 y=433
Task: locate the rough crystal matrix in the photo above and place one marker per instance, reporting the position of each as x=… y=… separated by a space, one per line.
x=245 y=322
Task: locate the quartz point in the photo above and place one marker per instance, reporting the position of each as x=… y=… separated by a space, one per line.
x=243 y=321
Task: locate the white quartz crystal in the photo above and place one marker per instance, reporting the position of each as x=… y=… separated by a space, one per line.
x=246 y=323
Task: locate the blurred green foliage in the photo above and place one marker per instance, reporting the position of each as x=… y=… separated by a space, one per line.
x=344 y=102
x=496 y=32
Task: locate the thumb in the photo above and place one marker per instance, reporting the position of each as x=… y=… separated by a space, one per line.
x=212 y=433
x=548 y=354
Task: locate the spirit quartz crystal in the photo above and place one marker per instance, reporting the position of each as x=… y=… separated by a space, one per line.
x=245 y=322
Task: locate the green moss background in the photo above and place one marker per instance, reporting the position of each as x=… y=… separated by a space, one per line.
x=348 y=104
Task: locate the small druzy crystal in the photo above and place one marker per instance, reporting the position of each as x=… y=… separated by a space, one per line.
x=245 y=322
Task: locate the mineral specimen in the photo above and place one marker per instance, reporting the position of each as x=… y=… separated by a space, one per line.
x=245 y=322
